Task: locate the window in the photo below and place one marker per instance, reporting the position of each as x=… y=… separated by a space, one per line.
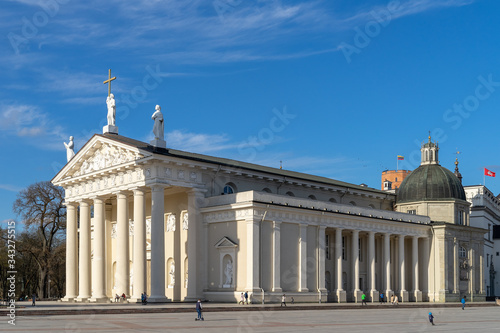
x=359 y=250
x=489 y=231
x=463 y=252
x=312 y=197
x=343 y=248
x=290 y=194
x=332 y=200
x=412 y=211
x=461 y=217
x=396 y=179
x=228 y=189
x=267 y=190
x=352 y=203
x=487 y=260
x=327 y=246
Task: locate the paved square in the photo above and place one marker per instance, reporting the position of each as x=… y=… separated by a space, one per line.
x=485 y=319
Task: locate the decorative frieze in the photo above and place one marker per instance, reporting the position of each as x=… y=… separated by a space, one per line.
x=106 y=156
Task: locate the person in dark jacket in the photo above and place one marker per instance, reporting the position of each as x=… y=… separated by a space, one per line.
x=431 y=318
x=199 y=309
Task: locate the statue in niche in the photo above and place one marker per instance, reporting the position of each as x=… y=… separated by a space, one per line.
x=158 y=126
x=185 y=221
x=228 y=272
x=171 y=222
x=172 y=274
x=70 y=149
x=110 y=102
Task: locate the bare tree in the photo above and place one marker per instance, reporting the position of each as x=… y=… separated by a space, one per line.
x=41 y=206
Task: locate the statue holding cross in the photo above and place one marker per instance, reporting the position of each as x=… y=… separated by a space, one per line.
x=110 y=102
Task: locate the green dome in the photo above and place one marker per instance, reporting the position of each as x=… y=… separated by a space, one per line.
x=430 y=182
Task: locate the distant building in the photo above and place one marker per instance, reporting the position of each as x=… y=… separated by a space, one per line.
x=485 y=213
x=392 y=179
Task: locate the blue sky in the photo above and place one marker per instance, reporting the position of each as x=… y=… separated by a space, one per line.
x=356 y=82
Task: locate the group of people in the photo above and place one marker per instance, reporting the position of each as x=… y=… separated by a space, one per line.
x=394 y=299
x=243 y=298
x=117 y=297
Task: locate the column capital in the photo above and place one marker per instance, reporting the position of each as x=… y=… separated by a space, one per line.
x=70 y=203
x=157 y=187
x=139 y=190
x=84 y=202
x=96 y=198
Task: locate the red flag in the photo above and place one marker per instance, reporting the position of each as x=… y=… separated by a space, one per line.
x=489 y=173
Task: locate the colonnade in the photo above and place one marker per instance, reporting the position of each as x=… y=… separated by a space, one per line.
x=396 y=272
x=86 y=278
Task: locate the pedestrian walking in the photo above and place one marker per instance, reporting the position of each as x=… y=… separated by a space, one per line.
x=293 y=301
x=381 y=297
x=396 y=300
x=199 y=309
x=363 y=299
x=463 y=303
x=392 y=299
x=242 y=299
x=246 y=297
x=431 y=318
x=33 y=299
x=283 y=300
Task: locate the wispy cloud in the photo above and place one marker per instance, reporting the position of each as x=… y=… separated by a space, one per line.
x=11 y=188
x=199 y=142
x=405 y=8
x=28 y=121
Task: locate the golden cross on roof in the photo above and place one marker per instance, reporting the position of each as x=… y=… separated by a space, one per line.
x=109 y=82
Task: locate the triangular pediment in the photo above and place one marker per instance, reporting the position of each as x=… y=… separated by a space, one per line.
x=225 y=242
x=98 y=154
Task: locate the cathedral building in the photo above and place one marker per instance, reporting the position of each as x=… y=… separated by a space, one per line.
x=181 y=226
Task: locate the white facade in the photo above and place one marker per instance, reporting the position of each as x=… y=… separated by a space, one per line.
x=485 y=213
x=184 y=226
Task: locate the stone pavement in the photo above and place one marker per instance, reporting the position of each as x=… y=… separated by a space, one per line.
x=46 y=308
x=376 y=318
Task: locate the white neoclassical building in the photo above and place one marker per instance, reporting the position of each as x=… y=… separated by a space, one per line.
x=485 y=213
x=182 y=226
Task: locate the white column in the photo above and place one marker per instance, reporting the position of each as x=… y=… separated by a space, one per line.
x=139 y=262
x=355 y=263
x=321 y=260
x=99 y=262
x=122 y=245
x=371 y=265
x=403 y=293
x=387 y=262
x=276 y=256
x=195 y=198
x=416 y=287
x=340 y=292
x=456 y=266
x=303 y=258
x=481 y=274
x=252 y=262
x=84 y=255
x=157 y=244
x=424 y=267
x=71 y=253
x=472 y=274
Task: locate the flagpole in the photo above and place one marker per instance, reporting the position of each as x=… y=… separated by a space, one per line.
x=397 y=163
